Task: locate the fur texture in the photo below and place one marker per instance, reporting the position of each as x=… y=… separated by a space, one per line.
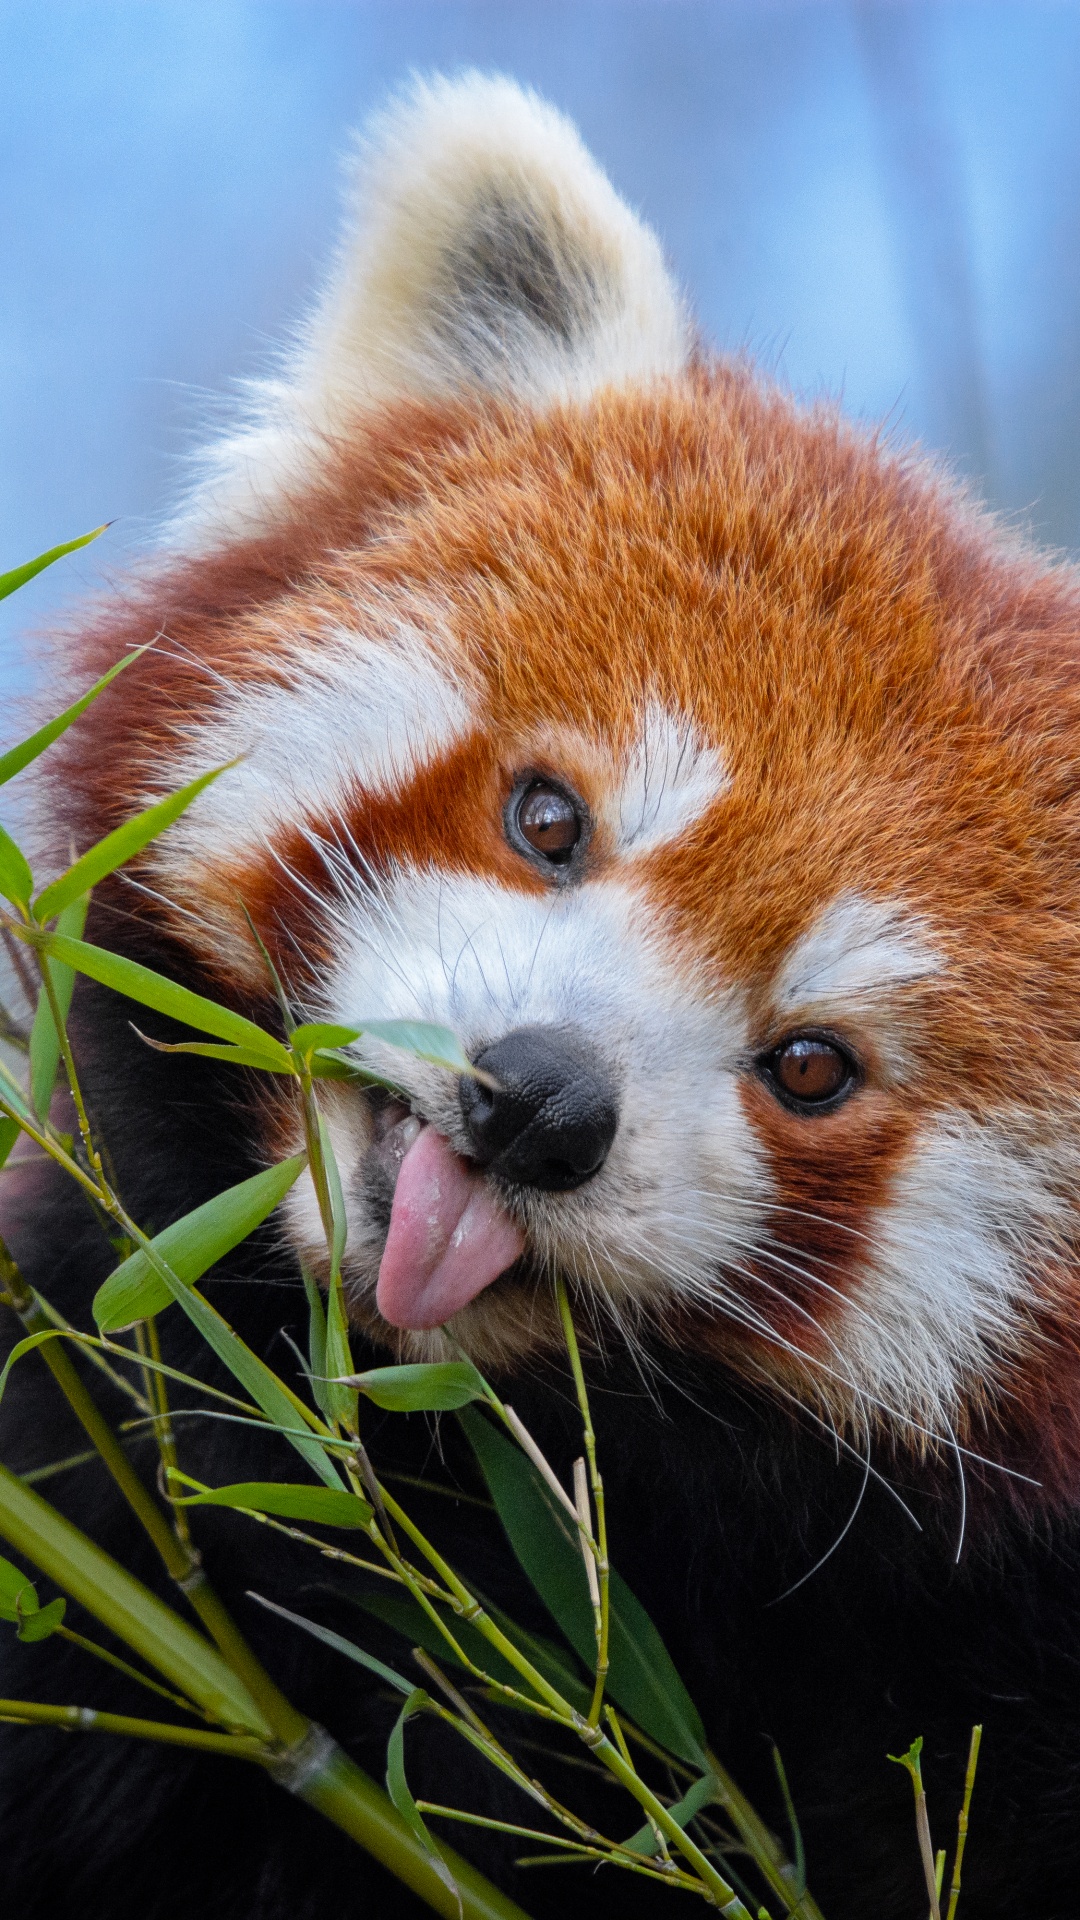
x=498 y=521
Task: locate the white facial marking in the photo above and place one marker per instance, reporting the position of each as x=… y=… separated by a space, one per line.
x=669 y=780
x=855 y=951
x=948 y=1266
x=354 y=711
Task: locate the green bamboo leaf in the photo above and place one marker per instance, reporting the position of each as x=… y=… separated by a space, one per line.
x=19 y=1603
x=342 y=1399
x=114 y=1596
x=398 y=1788
x=337 y=1198
x=219 y=1050
x=166 y=996
x=339 y=1643
x=326 y=1065
x=283 y=1409
x=642 y=1676
x=40 y=1623
x=326 y=1506
x=12 y=1097
x=20 y=756
x=322 y=1033
x=21 y=1347
x=405 y=1615
x=120 y=845
x=44 y=1039
x=14 y=1112
x=422 y=1387
x=18 y=577
x=16 y=879
x=15 y=1587
x=134 y=1291
x=703 y=1790
x=439 y=1045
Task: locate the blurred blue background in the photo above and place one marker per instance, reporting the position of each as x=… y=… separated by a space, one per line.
x=879 y=201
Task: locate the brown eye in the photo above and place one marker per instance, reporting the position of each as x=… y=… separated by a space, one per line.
x=810 y=1071
x=548 y=822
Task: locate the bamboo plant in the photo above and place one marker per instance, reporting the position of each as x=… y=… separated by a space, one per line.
x=610 y=1686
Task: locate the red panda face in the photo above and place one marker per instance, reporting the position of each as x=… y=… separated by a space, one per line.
x=708 y=769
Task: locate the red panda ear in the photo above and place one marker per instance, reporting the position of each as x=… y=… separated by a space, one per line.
x=486 y=250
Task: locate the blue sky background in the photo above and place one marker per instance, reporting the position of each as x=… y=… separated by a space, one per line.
x=879 y=201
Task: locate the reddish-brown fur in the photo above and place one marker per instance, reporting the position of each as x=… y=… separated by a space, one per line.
x=889 y=679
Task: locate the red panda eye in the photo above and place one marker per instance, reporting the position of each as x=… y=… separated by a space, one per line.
x=548 y=822
x=810 y=1071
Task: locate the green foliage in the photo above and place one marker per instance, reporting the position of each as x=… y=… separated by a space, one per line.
x=152 y=989
x=17 y=1592
x=425 y=1598
x=18 y=577
x=44 y=1038
x=398 y=1787
x=401 y=1612
x=321 y=1387
x=326 y=1506
x=911 y=1761
x=16 y=758
x=16 y=879
x=646 y=1841
x=642 y=1676
x=432 y=1043
x=117 y=847
x=136 y=1289
x=128 y=1608
x=338 y=1644
x=424 y=1387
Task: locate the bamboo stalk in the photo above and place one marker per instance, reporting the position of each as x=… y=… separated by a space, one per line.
x=313 y=1767
x=179 y=1557
x=114 y=1596
x=345 y=1795
x=600 y=1573
x=762 y=1844
x=962 y=1823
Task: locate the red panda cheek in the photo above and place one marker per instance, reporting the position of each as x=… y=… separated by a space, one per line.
x=449 y=817
x=831 y=1174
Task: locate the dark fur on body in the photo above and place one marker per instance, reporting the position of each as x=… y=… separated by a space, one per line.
x=719 y=1501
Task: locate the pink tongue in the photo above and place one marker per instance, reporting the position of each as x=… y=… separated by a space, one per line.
x=448 y=1240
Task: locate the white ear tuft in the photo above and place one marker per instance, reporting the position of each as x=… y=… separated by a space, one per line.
x=487 y=250
x=490 y=250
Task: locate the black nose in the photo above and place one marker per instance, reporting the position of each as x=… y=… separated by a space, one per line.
x=551 y=1121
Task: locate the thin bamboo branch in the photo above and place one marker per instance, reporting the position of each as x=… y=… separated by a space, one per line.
x=90 y=1720
x=146 y=1335
x=123 y=1666
x=85 y=1131
x=602 y=1604
x=962 y=1823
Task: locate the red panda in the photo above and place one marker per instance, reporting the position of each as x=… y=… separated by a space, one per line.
x=710 y=767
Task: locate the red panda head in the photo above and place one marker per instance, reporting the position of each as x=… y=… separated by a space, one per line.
x=709 y=768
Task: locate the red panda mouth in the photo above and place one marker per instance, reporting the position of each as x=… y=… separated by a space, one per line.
x=449 y=1236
